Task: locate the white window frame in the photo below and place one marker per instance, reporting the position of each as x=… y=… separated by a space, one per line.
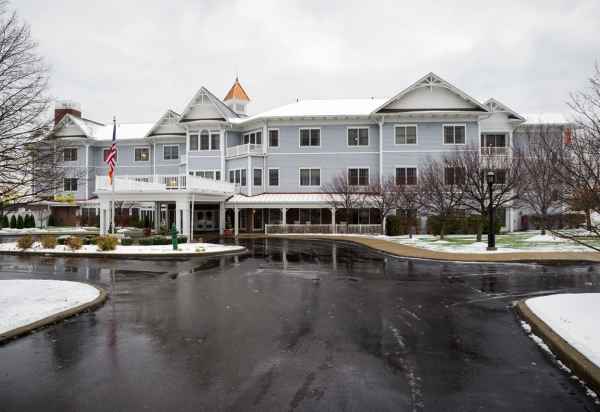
x=70 y=148
x=309 y=129
x=211 y=133
x=197 y=134
x=250 y=134
x=261 y=176
x=416 y=134
x=358 y=168
x=104 y=149
x=269 y=177
x=76 y=182
x=453 y=125
x=178 y=151
x=141 y=147
x=358 y=128
x=269 y=136
x=407 y=167
x=214 y=172
x=309 y=176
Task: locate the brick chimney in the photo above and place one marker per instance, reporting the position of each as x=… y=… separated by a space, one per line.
x=62 y=107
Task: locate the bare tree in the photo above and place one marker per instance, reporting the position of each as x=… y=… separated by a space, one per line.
x=385 y=197
x=342 y=195
x=441 y=189
x=476 y=197
x=408 y=202
x=541 y=184
x=577 y=158
x=28 y=164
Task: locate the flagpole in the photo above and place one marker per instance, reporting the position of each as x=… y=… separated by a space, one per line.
x=112 y=181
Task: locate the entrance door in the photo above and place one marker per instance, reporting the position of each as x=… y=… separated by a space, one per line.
x=206 y=220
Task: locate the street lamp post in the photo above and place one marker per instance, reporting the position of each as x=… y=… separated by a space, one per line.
x=491 y=177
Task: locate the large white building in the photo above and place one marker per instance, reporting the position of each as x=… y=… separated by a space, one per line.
x=213 y=165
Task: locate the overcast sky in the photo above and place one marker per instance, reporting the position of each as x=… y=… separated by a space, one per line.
x=135 y=59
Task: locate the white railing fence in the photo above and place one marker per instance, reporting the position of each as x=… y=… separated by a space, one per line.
x=323 y=229
x=494 y=151
x=244 y=149
x=143 y=183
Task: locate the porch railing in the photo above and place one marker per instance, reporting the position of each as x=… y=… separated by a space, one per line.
x=323 y=229
x=144 y=183
x=244 y=150
x=494 y=151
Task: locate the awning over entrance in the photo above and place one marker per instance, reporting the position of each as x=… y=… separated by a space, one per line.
x=280 y=200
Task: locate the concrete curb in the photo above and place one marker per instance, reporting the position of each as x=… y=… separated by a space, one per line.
x=579 y=364
x=57 y=317
x=110 y=255
x=407 y=251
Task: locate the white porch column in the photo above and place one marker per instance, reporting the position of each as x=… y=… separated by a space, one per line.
x=249 y=177
x=104 y=216
x=157 y=216
x=333 y=219
x=221 y=217
x=222 y=148
x=381 y=150
x=182 y=217
x=236 y=222
x=283 y=216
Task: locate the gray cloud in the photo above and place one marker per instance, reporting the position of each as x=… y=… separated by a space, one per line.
x=135 y=59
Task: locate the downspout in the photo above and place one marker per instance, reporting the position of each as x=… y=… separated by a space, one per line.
x=87 y=172
x=265 y=143
x=381 y=149
x=153 y=161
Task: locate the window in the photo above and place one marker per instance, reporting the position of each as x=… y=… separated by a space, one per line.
x=358 y=176
x=405 y=134
x=204 y=141
x=70 y=154
x=170 y=152
x=273 y=177
x=208 y=174
x=105 y=153
x=454 y=134
x=499 y=176
x=257 y=177
x=358 y=136
x=252 y=138
x=454 y=176
x=274 y=138
x=70 y=184
x=193 y=142
x=215 y=141
x=243 y=182
x=237 y=177
x=232 y=176
x=406 y=176
x=493 y=140
x=310 y=177
x=310 y=137
x=142 y=154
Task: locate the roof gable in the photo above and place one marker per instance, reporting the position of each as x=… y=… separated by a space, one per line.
x=431 y=93
x=495 y=106
x=206 y=106
x=70 y=126
x=168 y=124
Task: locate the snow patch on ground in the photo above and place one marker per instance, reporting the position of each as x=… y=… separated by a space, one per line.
x=133 y=249
x=573 y=316
x=50 y=230
x=544 y=238
x=24 y=301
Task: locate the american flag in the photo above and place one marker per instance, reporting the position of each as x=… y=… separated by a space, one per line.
x=112 y=155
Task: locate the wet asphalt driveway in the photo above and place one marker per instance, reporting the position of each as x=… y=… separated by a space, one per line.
x=295 y=325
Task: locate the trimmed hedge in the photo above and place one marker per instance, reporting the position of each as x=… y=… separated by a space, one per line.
x=48 y=241
x=459 y=225
x=25 y=242
x=127 y=241
x=146 y=241
x=106 y=243
x=400 y=225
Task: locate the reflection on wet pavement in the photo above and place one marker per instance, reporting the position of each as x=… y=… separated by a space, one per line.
x=293 y=325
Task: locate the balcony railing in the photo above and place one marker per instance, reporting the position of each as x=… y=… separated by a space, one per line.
x=244 y=150
x=494 y=151
x=151 y=183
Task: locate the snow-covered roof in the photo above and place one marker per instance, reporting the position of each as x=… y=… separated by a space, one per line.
x=546 y=118
x=281 y=198
x=124 y=131
x=319 y=108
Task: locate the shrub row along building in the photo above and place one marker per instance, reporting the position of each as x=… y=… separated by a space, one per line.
x=214 y=166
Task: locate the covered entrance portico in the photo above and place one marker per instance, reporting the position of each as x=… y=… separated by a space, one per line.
x=195 y=204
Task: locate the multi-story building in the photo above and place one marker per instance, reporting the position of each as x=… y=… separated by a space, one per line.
x=213 y=165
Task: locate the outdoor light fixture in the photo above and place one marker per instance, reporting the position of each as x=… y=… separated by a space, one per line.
x=491 y=178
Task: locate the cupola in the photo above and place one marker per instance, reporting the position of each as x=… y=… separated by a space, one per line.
x=237 y=99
